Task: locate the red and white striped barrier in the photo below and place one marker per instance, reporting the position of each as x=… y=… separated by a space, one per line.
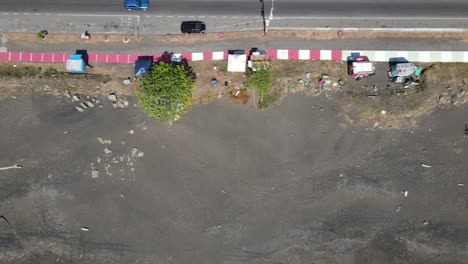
x=281 y=54
x=275 y=54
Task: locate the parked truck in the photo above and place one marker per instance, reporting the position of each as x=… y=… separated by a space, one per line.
x=360 y=66
x=399 y=72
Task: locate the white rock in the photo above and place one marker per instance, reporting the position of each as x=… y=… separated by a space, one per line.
x=107 y=151
x=405 y=193
x=112 y=97
x=425 y=166
x=140 y=154
x=120 y=104
x=98 y=159
x=134 y=152
x=383 y=112
x=94 y=174
x=76 y=98
x=131 y=132
x=89 y=103
x=79 y=108
x=100 y=140
x=85 y=228
x=83 y=105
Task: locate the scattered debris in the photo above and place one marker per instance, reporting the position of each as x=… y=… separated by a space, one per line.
x=83 y=105
x=425 y=222
x=94 y=173
x=104 y=141
x=107 y=151
x=398 y=209
x=425 y=165
x=140 y=154
x=460 y=184
x=16 y=166
x=131 y=132
x=127 y=81
x=121 y=103
x=134 y=152
x=383 y=112
x=85 y=228
x=112 y=97
x=405 y=193
x=98 y=159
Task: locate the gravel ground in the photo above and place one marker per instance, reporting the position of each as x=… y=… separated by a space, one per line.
x=229 y=184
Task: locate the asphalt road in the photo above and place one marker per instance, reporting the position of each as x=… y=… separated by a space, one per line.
x=228 y=184
x=164 y=16
x=282 y=8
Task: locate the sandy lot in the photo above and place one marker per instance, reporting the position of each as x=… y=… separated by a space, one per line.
x=228 y=184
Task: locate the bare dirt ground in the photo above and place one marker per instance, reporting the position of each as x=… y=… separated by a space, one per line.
x=228 y=184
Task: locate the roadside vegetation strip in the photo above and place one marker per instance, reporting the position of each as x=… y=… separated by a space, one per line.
x=274 y=54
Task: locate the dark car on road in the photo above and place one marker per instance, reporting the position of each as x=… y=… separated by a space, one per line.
x=193 y=27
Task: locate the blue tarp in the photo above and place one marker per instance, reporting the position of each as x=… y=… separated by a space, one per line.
x=142 y=67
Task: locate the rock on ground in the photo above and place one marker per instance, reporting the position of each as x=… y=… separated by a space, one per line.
x=112 y=97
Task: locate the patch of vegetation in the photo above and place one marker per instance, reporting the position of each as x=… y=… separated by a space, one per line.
x=262 y=81
x=19 y=71
x=50 y=72
x=268 y=100
x=166 y=90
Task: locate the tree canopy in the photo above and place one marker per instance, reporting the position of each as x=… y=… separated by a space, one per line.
x=166 y=90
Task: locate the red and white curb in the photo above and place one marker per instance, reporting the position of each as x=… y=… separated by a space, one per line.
x=275 y=54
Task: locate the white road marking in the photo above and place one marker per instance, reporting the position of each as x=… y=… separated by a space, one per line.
x=371 y=18
x=453 y=30
x=267 y=22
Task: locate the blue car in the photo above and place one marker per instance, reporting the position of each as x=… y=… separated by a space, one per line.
x=136 y=4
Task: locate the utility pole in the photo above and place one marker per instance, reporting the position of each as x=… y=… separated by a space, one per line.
x=263 y=17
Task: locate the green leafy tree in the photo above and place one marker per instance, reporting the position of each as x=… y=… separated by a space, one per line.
x=166 y=90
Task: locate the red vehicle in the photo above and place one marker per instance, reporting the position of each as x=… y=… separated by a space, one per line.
x=360 y=67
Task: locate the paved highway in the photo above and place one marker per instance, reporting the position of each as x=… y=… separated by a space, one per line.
x=164 y=16
x=282 y=8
